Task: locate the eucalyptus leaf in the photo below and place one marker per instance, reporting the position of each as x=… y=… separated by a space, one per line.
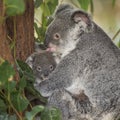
x=7 y=117
x=91 y=6
x=37 y=29
x=45 y=9
x=51 y=114
x=118 y=44
x=38 y=3
x=19 y=102
x=14 y=7
x=3 y=106
x=25 y=70
x=6 y=73
x=35 y=110
x=113 y=2
x=32 y=93
x=22 y=83
x=52 y=6
x=84 y=4
x=10 y=86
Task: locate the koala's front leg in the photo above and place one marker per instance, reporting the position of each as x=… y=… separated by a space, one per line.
x=62 y=77
x=63 y=100
x=82 y=102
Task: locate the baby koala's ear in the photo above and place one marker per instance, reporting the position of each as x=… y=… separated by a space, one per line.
x=78 y=16
x=31 y=58
x=29 y=61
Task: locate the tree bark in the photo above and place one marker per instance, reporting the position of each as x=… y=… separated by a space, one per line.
x=5 y=52
x=21 y=29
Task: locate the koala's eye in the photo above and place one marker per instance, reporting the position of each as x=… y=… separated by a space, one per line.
x=56 y=36
x=39 y=68
x=51 y=67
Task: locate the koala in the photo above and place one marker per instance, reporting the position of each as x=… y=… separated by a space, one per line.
x=42 y=64
x=89 y=69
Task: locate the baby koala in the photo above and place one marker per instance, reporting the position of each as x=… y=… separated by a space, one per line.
x=42 y=64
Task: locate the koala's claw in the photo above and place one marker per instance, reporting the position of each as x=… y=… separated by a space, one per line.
x=82 y=103
x=83 y=106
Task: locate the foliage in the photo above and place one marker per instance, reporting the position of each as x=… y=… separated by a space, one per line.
x=14 y=7
x=119 y=43
x=35 y=110
x=47 y=8
x=113 y=2
x=13 y=100
x=84 y=4
x=51 y=114
x=115 y=36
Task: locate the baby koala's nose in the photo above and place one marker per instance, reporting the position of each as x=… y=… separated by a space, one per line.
x=46 y=73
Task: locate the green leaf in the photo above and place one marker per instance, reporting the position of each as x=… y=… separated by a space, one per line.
x=19 y=102
x=35 y=110
x=3 y=106
x=14 y=7
x=91 y=6
x=25 y=70
x=118 y=44
x=84 y=4
x=113 y=2
x=52 y=5
x=51 y=114
x=10 y=86
x=7 y=117
x=38 y=3
x=40 y=32
x=33 y=93
x=45 y=9
x=37 y=29
x=22 y=83
x=6 y=73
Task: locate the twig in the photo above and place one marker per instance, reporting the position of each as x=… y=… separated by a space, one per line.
x=116 y=35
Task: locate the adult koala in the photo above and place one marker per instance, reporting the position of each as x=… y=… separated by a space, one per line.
x=89 y=69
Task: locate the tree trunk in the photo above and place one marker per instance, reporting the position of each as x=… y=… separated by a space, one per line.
x=21 y=30
x=5 y=52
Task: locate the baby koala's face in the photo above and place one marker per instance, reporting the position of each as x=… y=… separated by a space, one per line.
x=42 y=65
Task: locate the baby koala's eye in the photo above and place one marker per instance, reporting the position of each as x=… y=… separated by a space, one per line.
x=51 y=67
x=39 y=68
x=56 y=36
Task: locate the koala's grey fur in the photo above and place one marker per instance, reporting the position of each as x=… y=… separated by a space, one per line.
x=89 y=70
x=42 y=64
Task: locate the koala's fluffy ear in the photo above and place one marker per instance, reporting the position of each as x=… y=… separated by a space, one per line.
x=62 y=10
x=78 y=16
x=29 y=61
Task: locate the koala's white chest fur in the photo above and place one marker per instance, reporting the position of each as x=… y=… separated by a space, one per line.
x=71 y=45
x=71 y=41
x=76 y=87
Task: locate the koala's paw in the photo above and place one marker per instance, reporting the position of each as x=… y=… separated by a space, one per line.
x=82 y=103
